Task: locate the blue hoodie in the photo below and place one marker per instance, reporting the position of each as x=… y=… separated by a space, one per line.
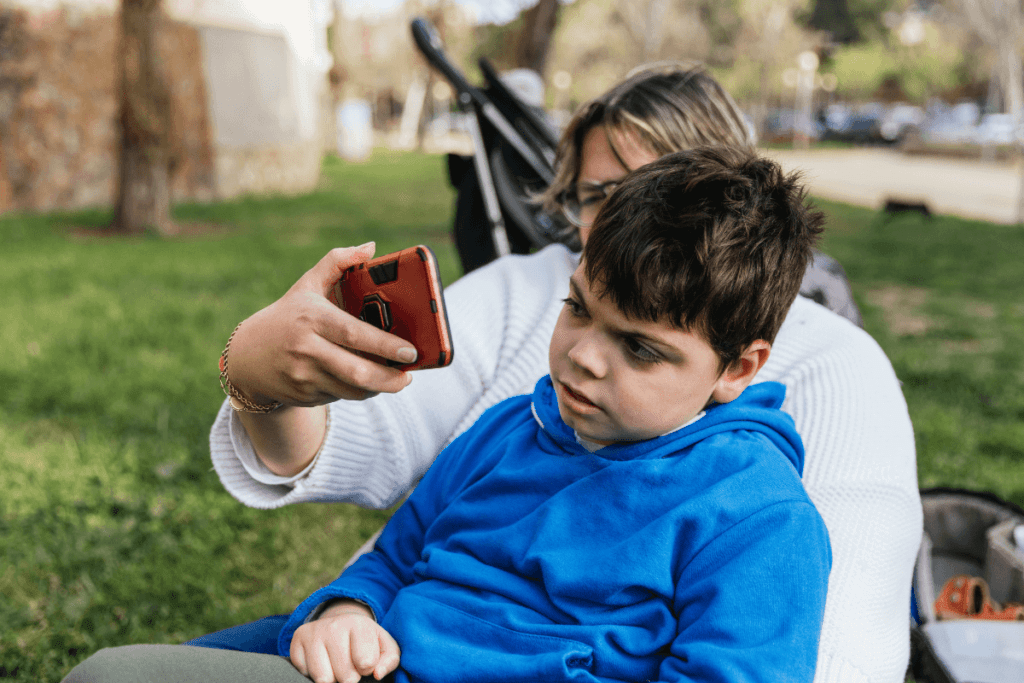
x=523 y=557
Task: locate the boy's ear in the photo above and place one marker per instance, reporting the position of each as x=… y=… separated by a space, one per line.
x=737 y=376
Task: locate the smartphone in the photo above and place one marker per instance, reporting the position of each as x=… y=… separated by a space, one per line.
x=401 y=293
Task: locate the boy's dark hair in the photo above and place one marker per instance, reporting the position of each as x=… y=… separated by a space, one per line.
x=715 y=239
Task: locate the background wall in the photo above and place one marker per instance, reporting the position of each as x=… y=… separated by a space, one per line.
x=248 y=83
x=59 y=107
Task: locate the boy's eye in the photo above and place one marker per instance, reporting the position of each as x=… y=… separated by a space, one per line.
x=575 y=308
x=641 y=353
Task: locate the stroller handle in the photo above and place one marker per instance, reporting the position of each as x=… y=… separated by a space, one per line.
x=470 y=98
x=429 y=43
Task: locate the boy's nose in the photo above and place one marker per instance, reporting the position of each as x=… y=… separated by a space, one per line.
x=586 y=355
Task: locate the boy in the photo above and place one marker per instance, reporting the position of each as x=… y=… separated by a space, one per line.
x=640 y=516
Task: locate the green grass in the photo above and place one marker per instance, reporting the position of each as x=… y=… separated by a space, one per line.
x=114 y=529
x=945 y=299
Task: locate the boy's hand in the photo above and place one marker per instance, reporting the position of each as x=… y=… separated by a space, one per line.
x=344 y=645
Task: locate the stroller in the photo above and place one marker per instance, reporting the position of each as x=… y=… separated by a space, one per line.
x=966 y=608
x=513 y=159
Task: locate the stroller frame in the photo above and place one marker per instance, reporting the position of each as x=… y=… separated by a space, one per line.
x=513 y=156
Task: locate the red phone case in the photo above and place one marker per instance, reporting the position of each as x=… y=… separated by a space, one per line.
x=401 y=293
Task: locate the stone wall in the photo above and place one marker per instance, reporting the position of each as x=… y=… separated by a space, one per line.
x=58 y=118
x=59 y=108
x=288 y=169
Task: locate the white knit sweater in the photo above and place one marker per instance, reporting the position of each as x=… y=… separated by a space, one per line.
x=860 y=468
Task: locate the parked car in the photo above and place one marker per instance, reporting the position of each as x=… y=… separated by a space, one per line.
x=995 y=129
x=846 y=123
x=954 y=124
x=898 y=120
x=782 y=122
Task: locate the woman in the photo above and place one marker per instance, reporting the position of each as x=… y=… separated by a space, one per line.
x=369 y=449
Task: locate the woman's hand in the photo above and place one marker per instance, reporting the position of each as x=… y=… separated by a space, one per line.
x=343 y=645
x=302 y=350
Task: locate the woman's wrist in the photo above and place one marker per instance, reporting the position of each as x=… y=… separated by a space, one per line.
x=287 y=440
x=240 y=400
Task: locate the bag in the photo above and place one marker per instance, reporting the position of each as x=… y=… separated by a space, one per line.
x=825 y=282
x=968 y=584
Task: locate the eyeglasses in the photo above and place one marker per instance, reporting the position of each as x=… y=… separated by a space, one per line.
x=585 y=197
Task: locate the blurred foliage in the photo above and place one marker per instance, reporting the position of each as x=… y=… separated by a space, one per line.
x=834 y=18
x=849 y=21
x=494 y=41
x=938 y=68
x=724 y=23
x=868 y=17
x=749 y=44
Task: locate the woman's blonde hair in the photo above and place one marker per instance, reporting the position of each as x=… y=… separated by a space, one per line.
x=666 y=107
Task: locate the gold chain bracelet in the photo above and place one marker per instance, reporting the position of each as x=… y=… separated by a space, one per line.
x=238 y=400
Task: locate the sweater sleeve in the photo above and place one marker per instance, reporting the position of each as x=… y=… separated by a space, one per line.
x=750 y=602
x=860 y=472
x=501 y=317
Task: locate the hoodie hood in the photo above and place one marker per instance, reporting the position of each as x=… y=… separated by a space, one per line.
x=755 y=410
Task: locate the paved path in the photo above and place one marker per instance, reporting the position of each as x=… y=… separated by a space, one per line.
x=866 y=177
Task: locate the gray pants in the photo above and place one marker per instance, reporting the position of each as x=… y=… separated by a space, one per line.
x=182 y=664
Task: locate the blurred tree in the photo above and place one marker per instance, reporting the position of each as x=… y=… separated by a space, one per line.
x=646 y=24
x=869 y=17
x=599 y=41
x=834 y=17
x=436 y=16
x=525 y=42
x=850 y=21
x=768 y=44
x=723 y=22
x=533 y=40
x=143 y=195
x=339 y=72
x=493 y=41
x=1000 y=23
x=13 y=80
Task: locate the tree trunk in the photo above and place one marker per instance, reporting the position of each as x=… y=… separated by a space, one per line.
x=1013 y=96
x=534 y=41
x=771 y=26
x=143 y=197
x=1000 y=23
